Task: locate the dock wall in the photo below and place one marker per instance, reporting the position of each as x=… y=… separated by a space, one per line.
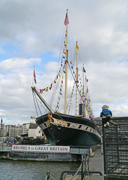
x=73 y=156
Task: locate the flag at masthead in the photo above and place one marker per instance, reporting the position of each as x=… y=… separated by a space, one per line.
x=34 y=75
x=66 y=21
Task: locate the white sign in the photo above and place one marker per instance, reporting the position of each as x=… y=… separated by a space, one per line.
x=41 y=148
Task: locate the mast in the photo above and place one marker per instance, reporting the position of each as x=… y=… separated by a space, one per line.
x=84 y=90
x=83 y=78
x=85 y=97
x=77 y=48
x=66 y=63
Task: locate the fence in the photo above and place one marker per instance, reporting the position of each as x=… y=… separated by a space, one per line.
x=115 y=147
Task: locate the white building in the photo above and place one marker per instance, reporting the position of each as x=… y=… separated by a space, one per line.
x=34 y=131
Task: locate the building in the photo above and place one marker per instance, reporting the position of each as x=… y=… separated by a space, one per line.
x=1 y=130
x=34 y=131
x=19 y=130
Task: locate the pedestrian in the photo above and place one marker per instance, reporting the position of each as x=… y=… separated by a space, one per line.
x=105 y=114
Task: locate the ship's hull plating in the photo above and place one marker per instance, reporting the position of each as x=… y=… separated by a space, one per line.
x=61 y=129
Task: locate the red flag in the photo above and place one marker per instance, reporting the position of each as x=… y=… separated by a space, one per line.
x=50 y=87
x=34 y=76
x=41 y=90
x=66 y=21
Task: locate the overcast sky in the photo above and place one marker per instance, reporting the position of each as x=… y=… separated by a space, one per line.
x=29 y=32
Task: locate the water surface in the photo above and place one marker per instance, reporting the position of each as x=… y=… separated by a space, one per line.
x=32 y=170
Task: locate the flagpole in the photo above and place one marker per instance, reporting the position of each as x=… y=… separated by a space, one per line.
x=66 y=64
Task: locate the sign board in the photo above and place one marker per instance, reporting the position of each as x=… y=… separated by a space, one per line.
x=41 y=148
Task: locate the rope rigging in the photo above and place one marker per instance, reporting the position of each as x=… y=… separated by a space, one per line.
x=55 y=84
x=34 y=102
x=37 y=101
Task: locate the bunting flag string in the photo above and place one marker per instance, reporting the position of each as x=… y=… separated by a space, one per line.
x=70 y=101
x=85 y=97
x=62 y=67
x=61 y=87
x=63 y=57
x=51 y=85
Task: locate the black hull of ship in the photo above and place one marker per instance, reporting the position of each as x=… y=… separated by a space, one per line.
x=79 y=131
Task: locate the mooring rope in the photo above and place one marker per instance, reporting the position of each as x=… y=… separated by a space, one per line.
x=47 y=177
x=76 y=172
x=52 y=177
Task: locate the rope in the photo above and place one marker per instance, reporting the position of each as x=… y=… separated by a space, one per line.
x=75 y=83
x=70 y=98
x=76 y=172
x=37 y=104
x=34 y=102
x=46 y=178
x=70 y=179
x=56 y=87
x=42 y=105
x=52 y=177
x=53 y=48
x=54 y=92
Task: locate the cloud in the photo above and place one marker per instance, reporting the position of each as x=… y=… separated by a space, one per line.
x=15 y=88
x=17 y=63
x=31 y=32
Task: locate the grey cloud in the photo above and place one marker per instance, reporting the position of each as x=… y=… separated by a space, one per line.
x=33 y=26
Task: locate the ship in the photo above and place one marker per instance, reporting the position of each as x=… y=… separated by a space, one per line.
x=59 y=128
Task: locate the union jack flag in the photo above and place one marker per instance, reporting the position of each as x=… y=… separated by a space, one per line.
x=66 y=21
x=34 y=76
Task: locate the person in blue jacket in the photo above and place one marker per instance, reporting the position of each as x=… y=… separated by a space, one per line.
x=105 y=114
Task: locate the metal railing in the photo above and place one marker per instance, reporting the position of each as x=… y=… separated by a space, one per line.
x=115 y=148
x=5 y=148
